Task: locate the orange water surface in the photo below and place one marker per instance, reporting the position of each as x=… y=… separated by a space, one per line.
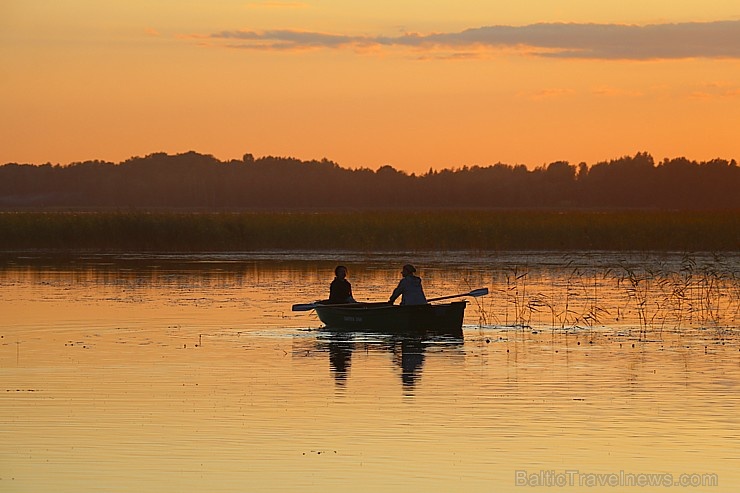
x=191 y=374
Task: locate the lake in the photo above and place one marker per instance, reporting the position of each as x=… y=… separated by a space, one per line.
x=190 y=373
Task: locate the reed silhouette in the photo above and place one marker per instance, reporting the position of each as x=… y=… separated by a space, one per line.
x=644 y=300
x=495 y=230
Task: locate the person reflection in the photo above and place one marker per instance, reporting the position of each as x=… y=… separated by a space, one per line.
x=409 y=355
x=341 y=347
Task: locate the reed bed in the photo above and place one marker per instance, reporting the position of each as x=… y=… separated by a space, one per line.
x=372 y=231
x=647 y=301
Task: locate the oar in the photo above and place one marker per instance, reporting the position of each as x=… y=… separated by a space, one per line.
x=475 y=293
x=304 y=307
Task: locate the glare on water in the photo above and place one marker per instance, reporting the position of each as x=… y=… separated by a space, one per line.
x=192 y=374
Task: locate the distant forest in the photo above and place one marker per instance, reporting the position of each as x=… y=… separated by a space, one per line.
x=194 y=181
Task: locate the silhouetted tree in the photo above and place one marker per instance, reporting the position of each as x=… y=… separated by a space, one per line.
x=197 y=181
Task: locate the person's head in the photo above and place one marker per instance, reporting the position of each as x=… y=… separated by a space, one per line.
x=340 y=271
x=408 y=269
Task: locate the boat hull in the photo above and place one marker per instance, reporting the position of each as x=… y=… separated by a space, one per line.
x=383 y=317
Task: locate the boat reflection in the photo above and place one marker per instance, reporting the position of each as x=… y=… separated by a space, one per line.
x=408 y=352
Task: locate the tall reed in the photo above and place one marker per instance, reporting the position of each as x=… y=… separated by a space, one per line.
x=648 y=300
x=390 y=230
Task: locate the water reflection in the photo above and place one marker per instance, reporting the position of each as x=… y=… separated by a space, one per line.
x=340 y=347
x=409 y=355
x=192 y=374
x=407 y=351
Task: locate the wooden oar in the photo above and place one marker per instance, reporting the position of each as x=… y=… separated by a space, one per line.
x=475 y=293
x=304 y=307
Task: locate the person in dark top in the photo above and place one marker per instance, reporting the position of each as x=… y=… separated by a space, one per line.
x=340 y=290
x=409 y=288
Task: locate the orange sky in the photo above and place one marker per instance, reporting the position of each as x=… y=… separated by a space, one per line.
x=413 y=84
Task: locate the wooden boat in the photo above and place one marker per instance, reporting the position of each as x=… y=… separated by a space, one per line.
x=383 y=317
x=442 y=318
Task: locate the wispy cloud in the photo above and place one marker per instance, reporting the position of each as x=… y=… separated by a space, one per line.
x=610 y=91
x=548 y=94
x=276 y=5
x=284 y=39
x=719 y=39
x=716 y=90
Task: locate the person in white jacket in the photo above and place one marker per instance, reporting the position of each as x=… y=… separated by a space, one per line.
x=409 y=288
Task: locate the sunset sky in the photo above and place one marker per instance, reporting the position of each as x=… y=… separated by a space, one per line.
x=414 y=84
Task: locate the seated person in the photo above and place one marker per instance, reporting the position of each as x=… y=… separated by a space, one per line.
x=340 y=290
x=409 y=288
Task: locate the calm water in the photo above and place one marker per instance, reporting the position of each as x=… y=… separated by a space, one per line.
x=582 y=372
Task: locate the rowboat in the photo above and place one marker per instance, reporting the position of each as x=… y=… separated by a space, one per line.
x=383 y=317
x=443 y=318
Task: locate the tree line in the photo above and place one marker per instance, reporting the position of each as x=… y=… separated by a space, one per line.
x=197 y=181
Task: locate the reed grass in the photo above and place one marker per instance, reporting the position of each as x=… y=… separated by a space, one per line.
x=648 y=300
x=372 y=231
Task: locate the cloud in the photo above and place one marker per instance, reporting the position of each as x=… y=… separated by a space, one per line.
x=610 y=91
x=719 y=39
x=285 y=39
x=276 y=5
x=716 y=90
x=548 y=94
